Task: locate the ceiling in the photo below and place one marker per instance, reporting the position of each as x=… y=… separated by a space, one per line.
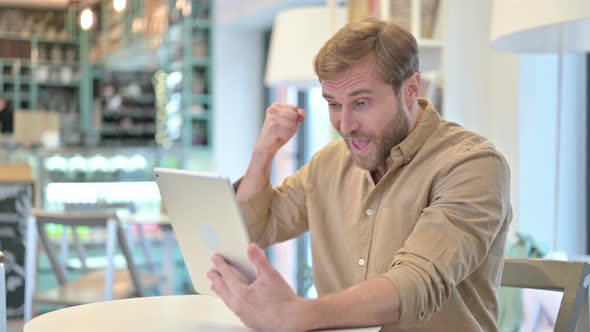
x=35 y=3
x=257 y=14
x=43 y=3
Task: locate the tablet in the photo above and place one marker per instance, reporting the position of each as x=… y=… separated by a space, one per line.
x=206 y=220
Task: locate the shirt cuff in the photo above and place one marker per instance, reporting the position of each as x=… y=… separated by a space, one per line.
x=412 y=312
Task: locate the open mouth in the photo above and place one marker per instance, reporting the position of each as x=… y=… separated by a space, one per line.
x=359 y=145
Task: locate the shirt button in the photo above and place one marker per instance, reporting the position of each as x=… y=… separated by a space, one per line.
x=361 y=262
x=370 y=212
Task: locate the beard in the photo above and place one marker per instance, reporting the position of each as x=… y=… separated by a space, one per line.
x=394 y=133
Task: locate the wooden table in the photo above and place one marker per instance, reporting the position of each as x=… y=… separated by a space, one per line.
x=195 y=313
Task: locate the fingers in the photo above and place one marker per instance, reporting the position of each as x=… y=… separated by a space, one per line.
x=218 y=285
x=232 y=282
x=280 y=125
x=286 y=118
x=287 y=110
x=284 y=112
x=300 y=115
x=286 y=123
x=220 y=288
x=258 y=258
x=284 y=105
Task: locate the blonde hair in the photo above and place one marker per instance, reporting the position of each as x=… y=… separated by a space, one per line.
x=394 y=50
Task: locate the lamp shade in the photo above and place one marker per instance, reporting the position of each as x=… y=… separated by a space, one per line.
x=541 y=25
x=297 y=36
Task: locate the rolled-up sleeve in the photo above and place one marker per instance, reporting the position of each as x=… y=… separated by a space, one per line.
x=469 y=203
x=277 y=214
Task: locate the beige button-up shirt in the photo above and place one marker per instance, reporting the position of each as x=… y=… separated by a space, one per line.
x=435 y=225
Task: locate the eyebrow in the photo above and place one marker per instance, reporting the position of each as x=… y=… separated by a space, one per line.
x=352 y=94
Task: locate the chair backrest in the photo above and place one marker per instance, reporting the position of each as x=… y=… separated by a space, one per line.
x=571 y=278
x=87 y=288
x=74 y=219
x=94 y=207
x=2 y=295
x=100 y=207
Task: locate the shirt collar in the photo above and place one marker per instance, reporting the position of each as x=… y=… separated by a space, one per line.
x=410 y=146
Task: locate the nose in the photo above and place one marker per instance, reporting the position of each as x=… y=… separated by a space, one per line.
x=348 y=123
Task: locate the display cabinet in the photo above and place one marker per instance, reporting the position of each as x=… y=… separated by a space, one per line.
x=41 y=62
x=173 y=39
x=124 y=108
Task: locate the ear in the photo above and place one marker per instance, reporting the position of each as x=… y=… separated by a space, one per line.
x=412 y=88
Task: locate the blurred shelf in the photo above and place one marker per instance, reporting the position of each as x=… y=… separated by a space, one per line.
x=21 y=80
x=57 y=41
x=56 y=63
x=137 y=113
x=10 y=95
x=203 y=62
x=57 y=84
x=201 y=99
x=39 y=38
x=12 y=61
x=115 y=21
x=195 y=62
x=143 y=99
x=127 y=144
x=202 y=116
x=119 y=132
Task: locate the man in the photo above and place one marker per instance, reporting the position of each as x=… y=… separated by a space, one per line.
x=407 y=213
x=6 y=117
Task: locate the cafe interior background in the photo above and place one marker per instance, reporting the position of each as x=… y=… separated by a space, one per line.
x=98 y=93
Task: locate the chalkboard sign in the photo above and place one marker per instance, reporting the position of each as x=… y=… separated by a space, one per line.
x=15 y=205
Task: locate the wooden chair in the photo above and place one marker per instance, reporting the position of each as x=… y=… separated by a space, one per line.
x=572 y=278
x=79 y=247
x=2 y=295
x=94 y=285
